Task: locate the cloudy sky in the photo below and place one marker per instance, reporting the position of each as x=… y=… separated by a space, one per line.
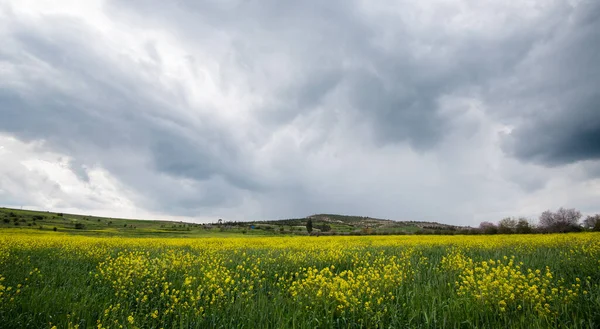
x=454 y=111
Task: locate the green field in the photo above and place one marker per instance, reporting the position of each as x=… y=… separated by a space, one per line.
x=58 y=279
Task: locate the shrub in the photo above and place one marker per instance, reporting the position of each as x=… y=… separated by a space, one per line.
x=523 y=226
x=79 y=226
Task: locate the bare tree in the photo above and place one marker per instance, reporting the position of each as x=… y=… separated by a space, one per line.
x=546 y=219
x=568 y=216
x=563 y=220
x=592 y=222
x=507 y=225
x=488 y=228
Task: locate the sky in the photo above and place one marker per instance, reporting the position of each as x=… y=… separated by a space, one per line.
x=455 y=111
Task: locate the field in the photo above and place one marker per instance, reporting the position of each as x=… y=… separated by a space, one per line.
x=54 y=279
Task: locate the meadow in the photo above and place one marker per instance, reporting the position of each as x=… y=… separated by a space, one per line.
x=56 y=280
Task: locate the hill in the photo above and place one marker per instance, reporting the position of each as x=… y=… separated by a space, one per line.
x=323 y=224
x=342 y=224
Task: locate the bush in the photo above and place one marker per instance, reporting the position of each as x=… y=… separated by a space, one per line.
x=79 y=226
x=324 y=227
x=523 y=226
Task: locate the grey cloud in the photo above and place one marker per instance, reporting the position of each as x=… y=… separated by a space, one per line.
x=574 y=136
x=80 y=170
x=334 y=73
x=328 y=47
x=103 y=107
x=390 y=69
x=555 y=89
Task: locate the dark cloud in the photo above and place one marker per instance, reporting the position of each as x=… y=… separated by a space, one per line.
x=554 y=94
x=575 y=136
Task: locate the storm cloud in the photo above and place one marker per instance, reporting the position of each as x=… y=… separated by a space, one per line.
x=454 y=112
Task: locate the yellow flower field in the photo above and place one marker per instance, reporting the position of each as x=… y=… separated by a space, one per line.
x=521 y=281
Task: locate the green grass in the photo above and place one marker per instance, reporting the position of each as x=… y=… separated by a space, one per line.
x=28 y=220
x=80 y=277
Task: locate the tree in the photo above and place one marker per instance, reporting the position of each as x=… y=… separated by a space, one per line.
x=592 y=222
x=309 y=225
x=563 y=220
x=523 y=226
x=488 y=228
x=507 y=225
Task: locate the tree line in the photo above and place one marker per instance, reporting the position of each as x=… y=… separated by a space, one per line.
x=561 y=221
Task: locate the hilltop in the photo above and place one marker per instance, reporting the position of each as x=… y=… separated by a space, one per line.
x=329 y=223
x=323 y=224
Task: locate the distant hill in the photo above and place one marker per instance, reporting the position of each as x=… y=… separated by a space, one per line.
x=17 y=219
x=361 y=224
